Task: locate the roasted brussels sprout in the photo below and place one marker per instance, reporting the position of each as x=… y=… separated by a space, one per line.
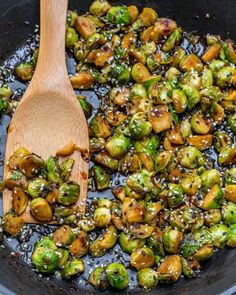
x=160 y=118
x=102 y=216
x=227 y=155
x=40 y=209
x=12 y=224
x=219 y=235
x=24 y=71
x=129 y=243
x=31 y=165
x=171 y=240
x=117 y=145
x=190 y=157
x=63 y=236
x=38 y=187
x=139 y=126
x=53 y=169
x=101 y=178
x=73 y=267
x=229 y=213
x=209 y=178
x=147 y=278
x=119 y=15
x=139 y=72
x=65 y=169
x=99 y=127
x=170 y=269
x=98 y=278
x=45 y=259
x=71 y=38
x=190 y=266
x=16 y=157
x=80 y=245
x=68 y=193
x=85 y=26
x=117 y=275
x=231 y=236
x=99 y=8
x=19 y=200
x=140 y=182
x=142 y=258
x=212 y=216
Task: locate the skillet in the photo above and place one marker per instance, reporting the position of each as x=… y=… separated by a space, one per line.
x=17 y=21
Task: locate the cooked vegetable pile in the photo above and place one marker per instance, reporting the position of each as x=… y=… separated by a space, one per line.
x=167 y=125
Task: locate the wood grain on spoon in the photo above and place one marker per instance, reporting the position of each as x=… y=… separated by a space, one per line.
x=49 y=115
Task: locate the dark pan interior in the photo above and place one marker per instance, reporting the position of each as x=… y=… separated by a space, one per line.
x=17 y=21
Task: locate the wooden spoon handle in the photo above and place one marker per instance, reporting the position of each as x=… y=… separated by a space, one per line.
x=51 y=66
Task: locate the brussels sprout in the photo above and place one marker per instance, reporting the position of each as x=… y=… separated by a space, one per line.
x=63 y=257
x=231 y=236
x=86 y=106
x=227 y=155
x=130 y=162
x=79 y=51
x=104 y=242
x=133 y=12
x=191 y=62
x=173 y=40
x=190 y=157
x=229 y=51
x=229 y=213
x=160 y=118
x=139 y=72
x=40 y=209
x=31 y=165
x=96 y=144
x=71 y=38
x=69 y=193
x=63 y=236
x=99 y=127
x=190 y=267
x=53 y=169
x=221 y=140
x=190 y=183
x=147 y=278
x=25 y=71
x=148 y=145
x=82 y=80
x=138 y=55
x=121 y=73
x=73 y=267
x=5 y=93
x=135 y=213
x=65 y=169
x=148 y=16
x=204 y=253
x=16 y=157
x=142 y=258
x=45 y=259
x=70 y=18
x=141 y=231
x=155 y=242
x=85 y=26
x=131 y=193
x=209 y=178
x=117 y=275
x=117 y=145
x=185 y=128
x=80 y=246
x=230 y=176
x=129 y=243
x=140 y=181
x=216 y=65
x=165 y=161
x=179 y=100
x=211 y=53
x=213 y=198
x=199 y=125
x=139 y=127
x=12 y=224
x=15 y=179
x=174 y=195
x=116 y=215
x=38 y=188
x=212 y=216
x=193 y=95
x=170 y=269
x=99 y=8
x=219 y=235
x=119 y=15
x=230 y=192
x=102 y=216
x=101 y=178
x=152 y=209
x=19 y=200
x=105 y=160
x=171 y=240
x=232 y=122
x=163 y=27
x=224 y=76
x=86 y=224
x=207 y=78
x=98 y=278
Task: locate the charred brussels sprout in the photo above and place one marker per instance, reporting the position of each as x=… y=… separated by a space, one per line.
x=140 y=182
x=147 y=278
x=171 y=240
x=190 y=157
x=98 y=278
x=99 y=127
x=117 y=275
x=53 y=169
x=101 y=178
x=170 y=269
x=119 y=15
x=231 y=236
x=229 y=213
x=85 y=26
x=12 y=224
x=69 y=193
x=31 y=165
x=38 y=188
x=63 y=236
x=142 y=258
x=102 y=216
x=219 y=235
x=190 y=267
x=139 y=126
x=129 y=243
x=45 y=259
x=25 y=71
x=73 y=267
x=19 y=200
x=40 y=209
x=99 y=7
x=117 y=145
x=80 y=245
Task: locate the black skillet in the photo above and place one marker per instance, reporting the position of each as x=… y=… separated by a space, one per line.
x=17 y=21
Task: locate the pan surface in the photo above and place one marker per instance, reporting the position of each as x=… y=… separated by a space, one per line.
x=17 y=21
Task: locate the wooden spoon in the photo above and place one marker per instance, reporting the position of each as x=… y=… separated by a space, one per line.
x=49 y=115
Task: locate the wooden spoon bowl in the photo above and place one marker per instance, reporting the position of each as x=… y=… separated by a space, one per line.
x=49 y=115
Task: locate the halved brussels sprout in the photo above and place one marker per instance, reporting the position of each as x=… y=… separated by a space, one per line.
x=139 y=126
x=117 y=275
x=162 y=27
x=117 y=145
x=38 y=187
x=155 y=242
x=231 y=236
x=193 y=95
x=219 y=235
x=53 y=169
x=170 y=269
x=211 y=53
x=190 y=183
x=147 y=278
x=12 y=224
x=25 y=71
x=63 y=236
x=190 y=157
x=199 y=124
x=65 y=169
x=85 y=26
x=141 y=231
x=190 y=266
x=16 y=157
x=63 y=257
x=232 y=122
x=202 y=142
x=139 y=72
x=133 y=12
x=180 y=100
x=228 y=212
x=45 y=259
x=80 y=246
x=212 y=216
x=140 y=181
x=101 y=178
x=40 y=209
x=230 y=192
x=69 y=193
x=102 y=216
x=99 y=7
x=119 y=15
x=98 y=278
x=148 y=16
x=46 y=242
x=173 y=40
x=142 y=258
x=73 y=267
x=19 y=200
x=160 y=118
x=224 y=76
x=230 y=176
x=171 y=240
x=227 y=155
x=99 y=126
x=104 y=159
x=83 y=80
x=214 y=198
x=129 y=243
x=71 y=38
x=209 y=178
x=31 y=165
x=70 y=18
